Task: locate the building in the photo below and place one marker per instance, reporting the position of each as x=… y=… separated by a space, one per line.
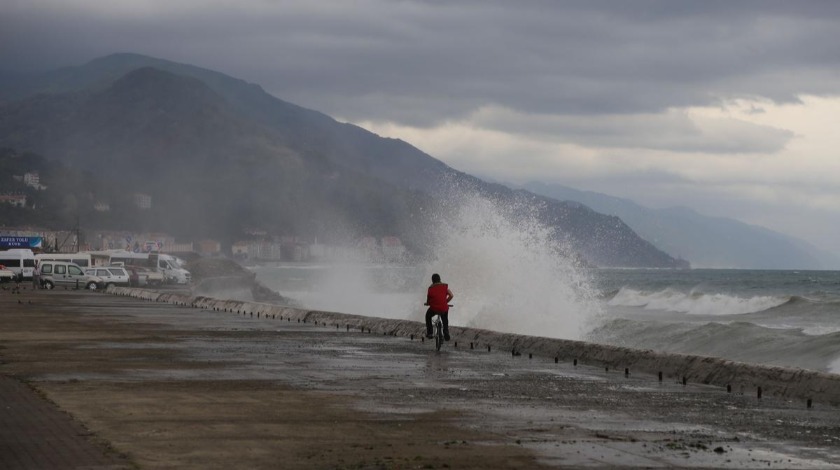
x=208 y=247
x=17 y=200
x=239 y=250
x=101 y=206
x=33 y=180
x=143 y=201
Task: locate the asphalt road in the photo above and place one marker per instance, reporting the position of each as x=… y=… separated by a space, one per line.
x=163 y=386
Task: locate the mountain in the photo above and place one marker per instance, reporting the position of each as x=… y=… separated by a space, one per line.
x=222 y=155
x=712 y=242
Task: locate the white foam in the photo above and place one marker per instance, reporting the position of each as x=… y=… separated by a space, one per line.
x=820 y=330
x=506 y=271
x=508 y=274
x=671 y=300
x=834 y=366
x=351 y=288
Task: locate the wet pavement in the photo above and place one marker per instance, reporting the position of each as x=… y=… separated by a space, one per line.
x=561 y=414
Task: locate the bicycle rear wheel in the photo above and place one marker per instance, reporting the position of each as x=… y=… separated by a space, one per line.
x=438 y=334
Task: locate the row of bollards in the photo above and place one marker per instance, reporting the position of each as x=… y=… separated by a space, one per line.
x=473 y=345
x=684 y=379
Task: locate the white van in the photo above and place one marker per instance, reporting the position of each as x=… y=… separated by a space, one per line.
x=65 y=274
x=18 y=260
x=172 y=269
x=170 y=266
x=118 y=258
x=83 y=259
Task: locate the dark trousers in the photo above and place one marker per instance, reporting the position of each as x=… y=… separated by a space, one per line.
x=444 y=317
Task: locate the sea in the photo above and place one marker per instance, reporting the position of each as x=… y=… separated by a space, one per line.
x=510 y=273
x=786 y=318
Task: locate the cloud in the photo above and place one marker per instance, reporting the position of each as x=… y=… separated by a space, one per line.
x=777 y=168
x=675 y=130
x=377 y=59
x=727 y=107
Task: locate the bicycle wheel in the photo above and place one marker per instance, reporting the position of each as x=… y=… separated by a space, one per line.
x=438 y=334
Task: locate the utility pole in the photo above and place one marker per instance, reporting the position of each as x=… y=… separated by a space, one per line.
x=78 y=233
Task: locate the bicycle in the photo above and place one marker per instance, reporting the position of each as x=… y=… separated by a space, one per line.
x=437 y=330
x=437 y=325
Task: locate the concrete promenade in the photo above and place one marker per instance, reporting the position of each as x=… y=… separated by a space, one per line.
x=97 y=380
x=36 y=434
x=762 y=380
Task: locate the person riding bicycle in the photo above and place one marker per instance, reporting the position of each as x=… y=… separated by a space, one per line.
x=438 y=298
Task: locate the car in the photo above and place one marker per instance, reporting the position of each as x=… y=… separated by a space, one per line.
x=7 y=275
x=153 y=277
x=111 y=275
x=65 y=274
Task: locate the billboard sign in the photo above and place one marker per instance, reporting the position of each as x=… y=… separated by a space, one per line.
x=7 y=242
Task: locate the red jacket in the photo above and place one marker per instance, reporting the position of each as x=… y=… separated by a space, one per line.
x=437 y=298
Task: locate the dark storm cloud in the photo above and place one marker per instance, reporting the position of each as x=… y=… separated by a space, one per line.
x=500 y=83
x=421 y=62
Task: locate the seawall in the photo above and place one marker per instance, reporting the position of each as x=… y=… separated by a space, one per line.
x=739 y=377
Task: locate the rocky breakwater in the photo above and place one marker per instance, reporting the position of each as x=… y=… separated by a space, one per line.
x=736 y=377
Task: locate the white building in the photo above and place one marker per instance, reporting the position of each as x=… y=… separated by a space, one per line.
x=33 y=180
x=17 y=200
x=143 y=201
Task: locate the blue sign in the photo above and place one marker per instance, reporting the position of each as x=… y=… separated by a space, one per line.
x=20 y=242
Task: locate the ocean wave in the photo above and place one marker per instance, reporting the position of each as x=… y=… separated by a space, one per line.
x=695 y=303
x=739 y=341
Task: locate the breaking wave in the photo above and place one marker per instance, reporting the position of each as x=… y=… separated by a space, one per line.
x=695 y=303
x=507 y=271
x=739 y=341
x=509 y=274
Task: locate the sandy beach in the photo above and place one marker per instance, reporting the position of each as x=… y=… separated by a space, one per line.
x=158 y=385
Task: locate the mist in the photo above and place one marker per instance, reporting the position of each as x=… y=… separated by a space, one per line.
x=505 y=269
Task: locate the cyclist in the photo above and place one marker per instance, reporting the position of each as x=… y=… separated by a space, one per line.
x=438 y=298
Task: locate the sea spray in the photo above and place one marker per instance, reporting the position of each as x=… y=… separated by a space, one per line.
x=357 y=287
x=509 y=272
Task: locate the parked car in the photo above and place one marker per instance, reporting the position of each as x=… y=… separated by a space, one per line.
x=112 y=276
x=7 y=275
x=66 y=274
x=153 y=277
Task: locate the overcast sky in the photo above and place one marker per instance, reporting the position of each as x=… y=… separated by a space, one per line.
x=730 y=108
